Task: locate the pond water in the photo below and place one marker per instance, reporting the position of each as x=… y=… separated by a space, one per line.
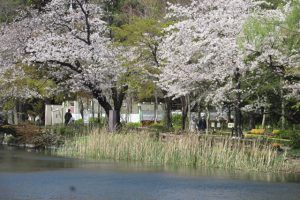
x=33 y=176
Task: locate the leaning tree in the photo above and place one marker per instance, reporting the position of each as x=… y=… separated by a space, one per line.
x=73 y=44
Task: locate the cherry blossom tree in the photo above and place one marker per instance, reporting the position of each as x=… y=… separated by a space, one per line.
x=201 y=47
x=200 y=51
x=14 y=35
x=271 y=44
x=74 y=45
x=205 y=45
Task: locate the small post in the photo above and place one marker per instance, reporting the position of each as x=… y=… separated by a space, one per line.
x=140 y=112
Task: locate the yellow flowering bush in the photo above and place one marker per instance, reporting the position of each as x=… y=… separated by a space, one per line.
x=276 y=132
x=258 y=131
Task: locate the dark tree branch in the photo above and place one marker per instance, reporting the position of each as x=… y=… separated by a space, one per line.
x=76 y=68
x=87 y=23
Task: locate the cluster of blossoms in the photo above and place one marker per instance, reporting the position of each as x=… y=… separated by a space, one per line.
x=198 y=53
x=74 y=42
x=207 y=42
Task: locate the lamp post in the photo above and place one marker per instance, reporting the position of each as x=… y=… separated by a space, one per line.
x=238 y=115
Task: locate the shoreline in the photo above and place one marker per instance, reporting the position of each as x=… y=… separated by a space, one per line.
x=171 y=139
x=294 y=161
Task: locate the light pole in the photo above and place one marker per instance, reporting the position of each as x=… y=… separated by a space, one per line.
x=238 y=115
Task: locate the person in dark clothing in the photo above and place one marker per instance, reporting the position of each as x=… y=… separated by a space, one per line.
x=202 y=124
x=68 y=116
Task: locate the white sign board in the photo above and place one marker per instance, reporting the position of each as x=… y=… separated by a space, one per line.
x=213 y=124
x=230 y=125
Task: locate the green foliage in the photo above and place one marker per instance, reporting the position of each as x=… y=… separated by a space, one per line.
x=137 y=31
x=133 y=125
x=295 y=137
x=285 y=33
x=32 y=79
x=256 y=30
x=160 y=127
x=65 y=130
x=142 y=34
x=121 y=11
x=273 y=4
x=79 y=122
x=268 y=82
x=294 y=153
x=94 y=120
x=8 y=9
x=290 y=28
x=176 y=119
x=97 y=122
x=8 y=104
x=292 y=135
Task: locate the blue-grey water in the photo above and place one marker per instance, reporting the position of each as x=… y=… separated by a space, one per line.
x=34 y=176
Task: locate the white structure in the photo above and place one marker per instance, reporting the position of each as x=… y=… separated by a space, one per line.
x=54 y=114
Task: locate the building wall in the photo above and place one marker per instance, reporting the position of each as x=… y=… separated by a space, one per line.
x=54 y=114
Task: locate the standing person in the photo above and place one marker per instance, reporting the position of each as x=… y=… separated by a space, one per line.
x=202 y=123
x=68 y=116
x=37 y=120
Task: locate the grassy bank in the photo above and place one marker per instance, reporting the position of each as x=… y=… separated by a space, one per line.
x=189 y=150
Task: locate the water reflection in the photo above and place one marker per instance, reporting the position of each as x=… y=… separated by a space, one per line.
x=20 y=160
x=36 y=175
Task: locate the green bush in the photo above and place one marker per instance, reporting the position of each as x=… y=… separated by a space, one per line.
x=176 y=120
x=65 y=130
x=285 y=134
x=295 y=137
x=97 y=120
x=159 y=127
x=79 y=122
x=133 y=125
x=93 y=120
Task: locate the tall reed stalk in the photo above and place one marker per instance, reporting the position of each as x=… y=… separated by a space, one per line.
x=189 y=150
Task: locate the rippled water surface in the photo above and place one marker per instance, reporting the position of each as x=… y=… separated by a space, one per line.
x=33 y=176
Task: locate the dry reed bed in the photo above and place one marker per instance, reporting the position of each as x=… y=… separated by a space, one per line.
x=189 y=150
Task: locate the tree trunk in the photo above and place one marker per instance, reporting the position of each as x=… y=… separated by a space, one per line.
x=191 y=122
x=251 y=120
x=105 y=105
x=263 y=123
x=168 y=114
x=207 y=119
x=155 y=105
x=282 y=109
x=184 y=110
x=81 y=108
x=15 y=114
x=118 y=98
x=128 y=107
x=99 y=113
x=93 y=110
x=229 y=113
